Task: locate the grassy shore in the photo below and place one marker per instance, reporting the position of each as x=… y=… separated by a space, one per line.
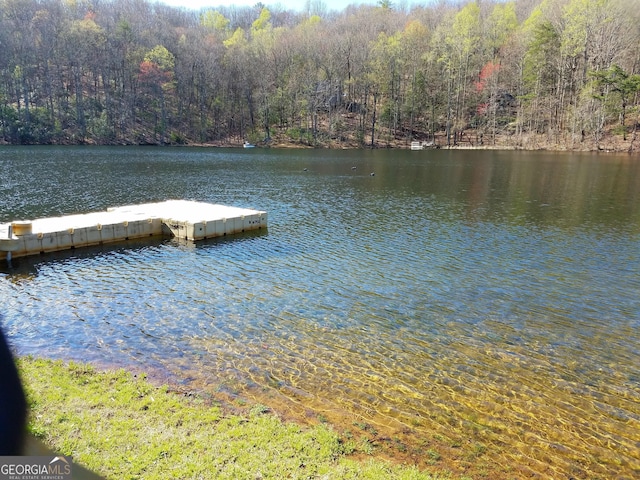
x=121 y=426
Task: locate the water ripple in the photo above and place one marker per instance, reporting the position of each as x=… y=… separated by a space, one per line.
x=406 y=298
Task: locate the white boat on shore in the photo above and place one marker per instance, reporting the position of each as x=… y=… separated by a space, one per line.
x=417 y=145
x=248 y=145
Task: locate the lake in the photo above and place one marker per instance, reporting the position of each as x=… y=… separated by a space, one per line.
x=478 y=308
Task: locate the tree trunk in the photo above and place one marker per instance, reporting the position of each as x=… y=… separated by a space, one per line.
x=373 y=119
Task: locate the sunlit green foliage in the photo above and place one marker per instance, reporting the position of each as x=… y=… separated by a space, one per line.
x=120 y=71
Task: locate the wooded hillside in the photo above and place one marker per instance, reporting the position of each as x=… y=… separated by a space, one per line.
x=525 y=73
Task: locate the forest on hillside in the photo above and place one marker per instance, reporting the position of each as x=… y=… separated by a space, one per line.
x=522 y=73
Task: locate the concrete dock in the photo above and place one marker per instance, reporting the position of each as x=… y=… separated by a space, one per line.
x=177 y=218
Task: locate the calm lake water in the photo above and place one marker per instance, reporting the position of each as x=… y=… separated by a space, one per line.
x=485 y=304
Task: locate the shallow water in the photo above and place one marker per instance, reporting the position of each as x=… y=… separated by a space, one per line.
x=484 y=301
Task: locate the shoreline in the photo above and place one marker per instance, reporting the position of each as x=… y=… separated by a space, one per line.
x=100 y=417
x=395 y=443
x=610 y=144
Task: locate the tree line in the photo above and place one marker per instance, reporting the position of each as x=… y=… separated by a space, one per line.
x=521 y=72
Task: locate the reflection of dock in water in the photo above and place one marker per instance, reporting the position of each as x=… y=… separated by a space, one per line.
x=177 y=218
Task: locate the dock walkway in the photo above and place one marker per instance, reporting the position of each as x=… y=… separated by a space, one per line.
x=178 y=218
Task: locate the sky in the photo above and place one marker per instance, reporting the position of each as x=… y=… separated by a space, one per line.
x=296 y=5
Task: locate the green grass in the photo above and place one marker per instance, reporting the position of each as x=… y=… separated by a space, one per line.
x=123 y=427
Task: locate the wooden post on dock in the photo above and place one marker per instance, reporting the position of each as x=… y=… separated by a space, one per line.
x=10 y=229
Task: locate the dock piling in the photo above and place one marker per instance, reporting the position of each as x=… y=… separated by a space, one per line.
x=10 y=236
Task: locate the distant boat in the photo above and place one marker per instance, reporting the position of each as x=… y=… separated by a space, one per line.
x=248 y=145
x=415 y=145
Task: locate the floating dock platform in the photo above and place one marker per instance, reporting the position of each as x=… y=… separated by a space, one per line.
x=177 y=218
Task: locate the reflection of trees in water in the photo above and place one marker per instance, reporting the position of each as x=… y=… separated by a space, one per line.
x=558 y=189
